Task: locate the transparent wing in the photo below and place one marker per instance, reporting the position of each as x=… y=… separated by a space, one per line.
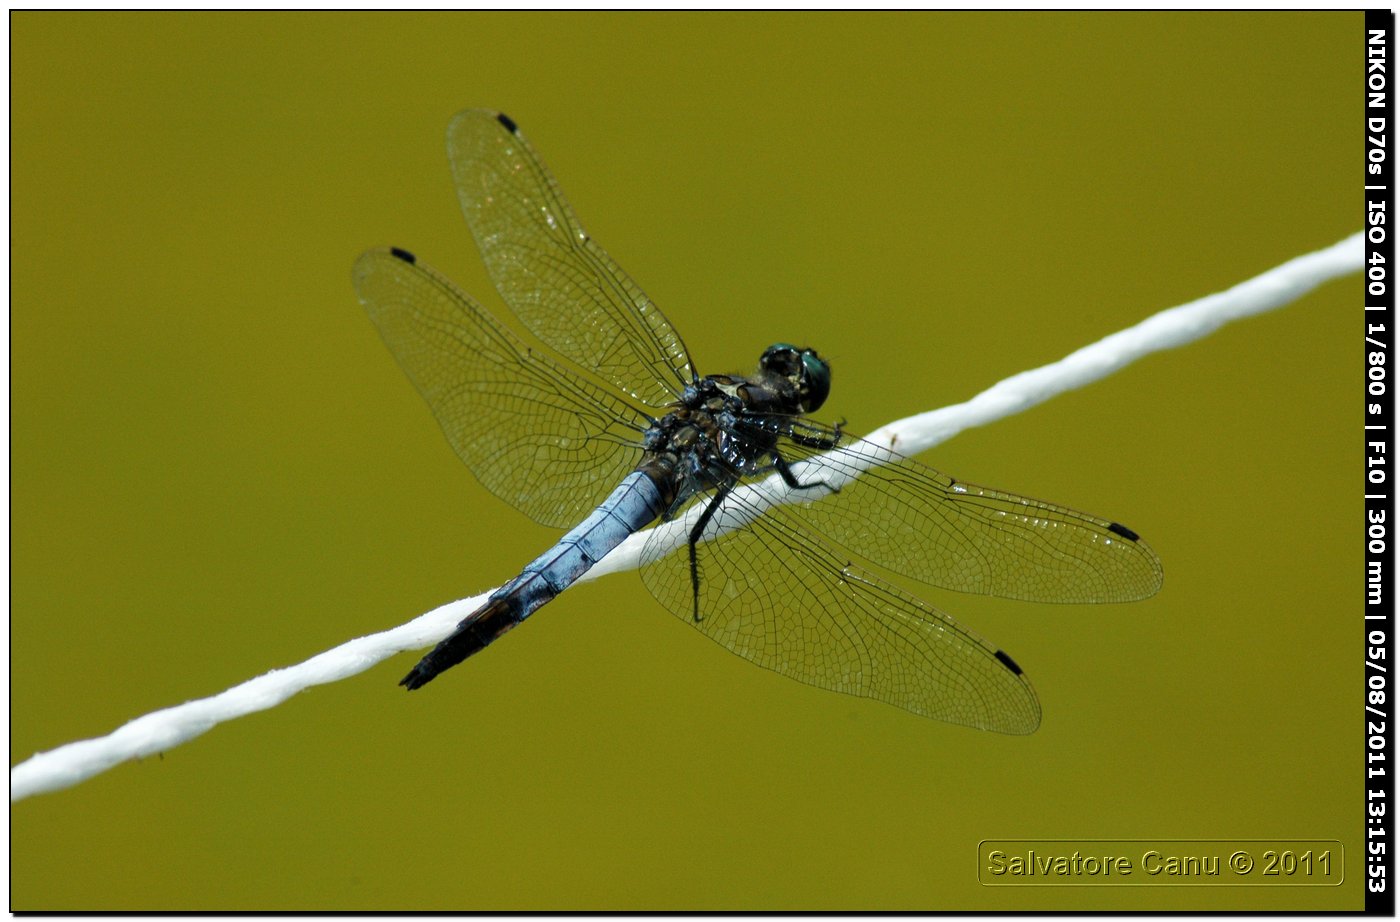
x=910 y=519
x=785 y=599
x=556 y=279
x=538 y=435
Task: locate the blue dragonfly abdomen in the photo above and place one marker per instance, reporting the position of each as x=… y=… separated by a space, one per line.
x=636 y=503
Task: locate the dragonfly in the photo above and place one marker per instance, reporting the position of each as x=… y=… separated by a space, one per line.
x=600 y=424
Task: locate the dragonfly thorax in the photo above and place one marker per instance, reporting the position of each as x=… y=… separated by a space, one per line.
x=721 y=430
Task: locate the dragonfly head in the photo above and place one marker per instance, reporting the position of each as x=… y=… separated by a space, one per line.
x=807 y=371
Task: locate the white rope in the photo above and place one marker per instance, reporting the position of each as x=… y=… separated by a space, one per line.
x=161 y=730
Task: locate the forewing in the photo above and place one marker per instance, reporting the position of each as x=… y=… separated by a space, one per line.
x=905 y=517
x=538 y=435
x=783 y=598
x=556 y=279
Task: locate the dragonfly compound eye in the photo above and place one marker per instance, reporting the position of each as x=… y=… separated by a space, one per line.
x=815 y=385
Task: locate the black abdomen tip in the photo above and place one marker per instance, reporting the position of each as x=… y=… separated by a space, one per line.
x=417 y=678
x=1008 y=662
x=506 y=120
x=403 y=254
x=1123 y=532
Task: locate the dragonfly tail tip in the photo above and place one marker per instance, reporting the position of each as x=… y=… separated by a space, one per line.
x=417 y=678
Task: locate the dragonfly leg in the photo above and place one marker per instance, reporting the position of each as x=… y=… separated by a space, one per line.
x=694 y=539
x=819 y=442
x=781 y=466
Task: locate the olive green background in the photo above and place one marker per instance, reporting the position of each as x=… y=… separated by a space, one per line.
x=217 y=468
